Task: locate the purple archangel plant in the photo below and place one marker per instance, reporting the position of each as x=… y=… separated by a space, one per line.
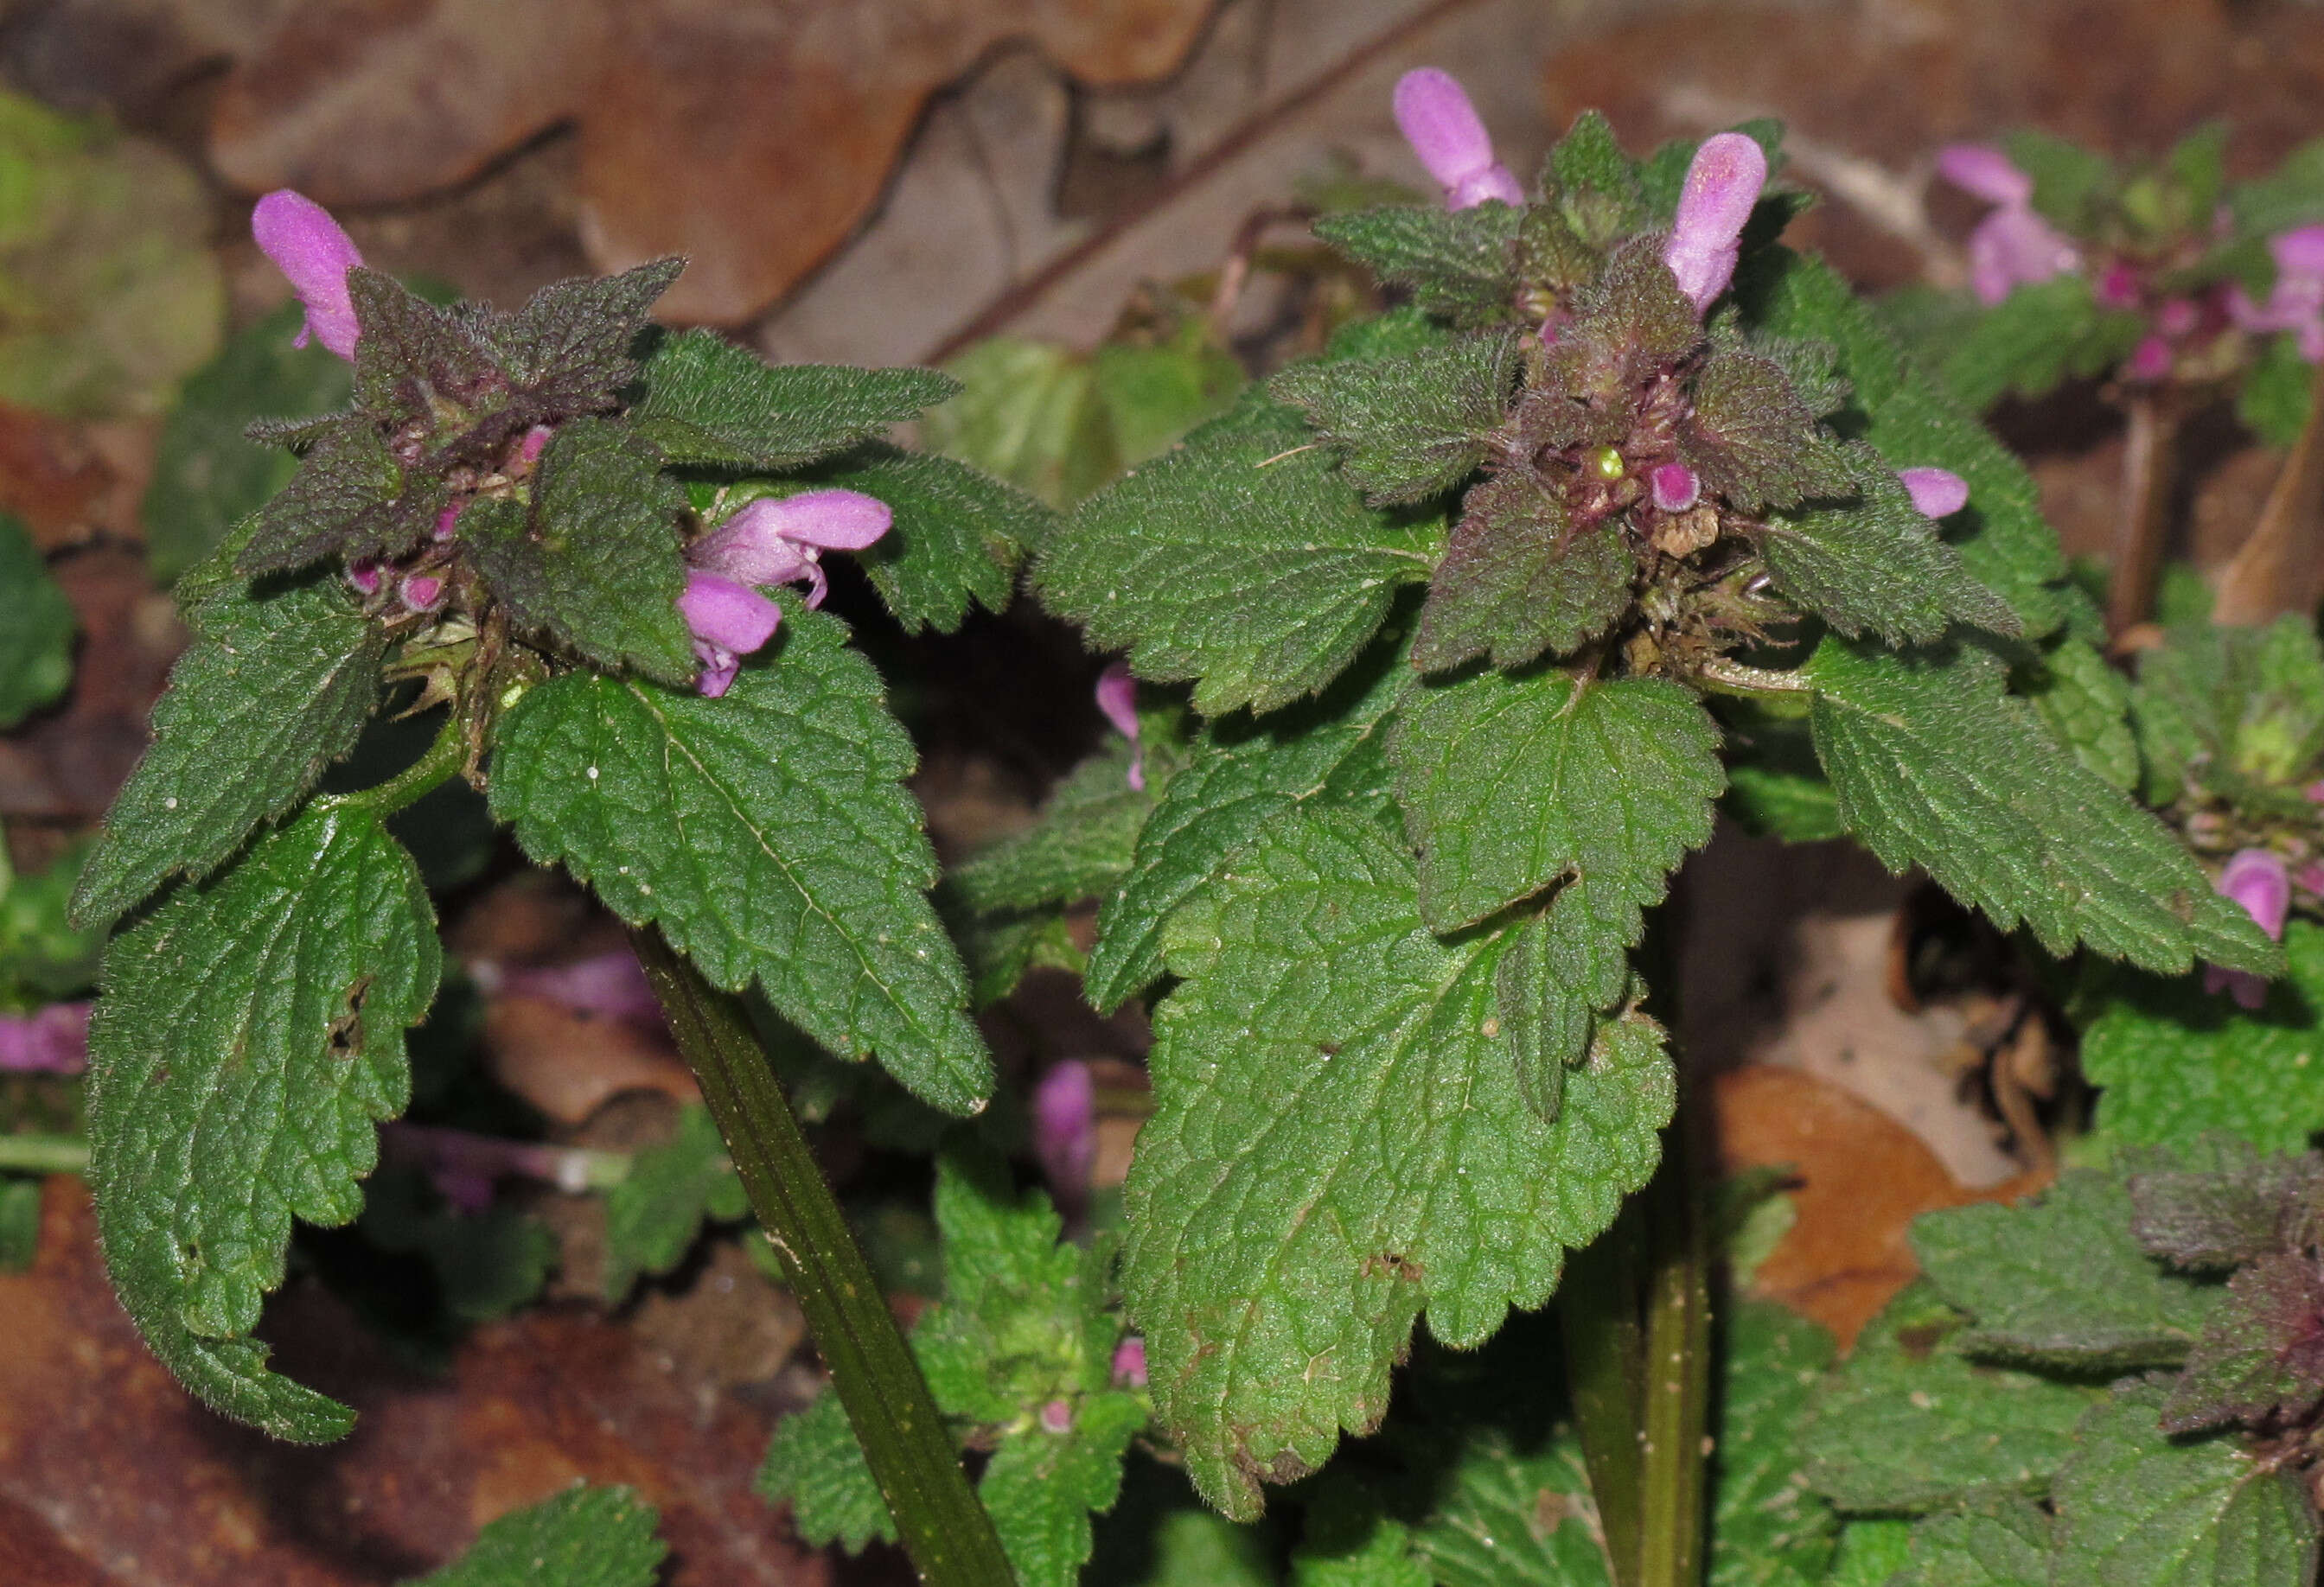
x=563 y=535
x=1621 y=508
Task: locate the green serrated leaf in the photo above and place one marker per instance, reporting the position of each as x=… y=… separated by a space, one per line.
x=1876 y=563
x=412 y=356
x=1519 y=578
x=2005 y=1544
x=815 y=1461
x=1512 y=784
x=1909 y=1424
x=715 y=405
x=1934 y=766
x=1767 y=1529
x=1751 y=439
x=2289 y=195
x=1871 y=1552
x=2211 y=1203
x=957 y=537
x=36 y=628
x=567 y=349
x=1506 y=1519
x=1002 y=951
x=249 y=1037
x=2176 y=1060
x=769 y=835
x=2069 y=181
x=2060 y=1281
x=593 y=559
x=1040 y=1487
x=1153 y=394
x=2274 y=400
x=2136 y=1509
x=2034 y=340
x=1243 y=560
x=2086 y=705
x=1408 y=428
x=1316 y=1006
x=1456 y=263
x=1596 y=185
x=486 y=1264
x=271 y=691
x=1238 y=778
x=653 y=1216
x=1350 y=1540
x=1081 y=845
x=1915 y=423
x=583 y=1537
x=208 y=474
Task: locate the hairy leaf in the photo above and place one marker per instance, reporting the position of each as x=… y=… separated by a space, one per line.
x=1596 y=184
x=815 y=1461
x=349 y=497
x=2004 y=1544
x=653 y=1216
x=567 y=349
x=1521 y=578
x=957 y=537
x=583 y=1537
x=2061 y=1280
x=1239 y=777
x=1506 y=1518
x=1512 y=784
x=1079 y=847
x=1767 y=1529
x=1934 y=766
x=2086 y=705
x=1040 y=1487
x=1876 y=564
x=2263 y=1356
x=711 y=403
x=1243 y=560
x=271 y=691
x=2175 y=1060
x=414 y=356
x=2137 y=1510
x=1284 y=1237
x=1908 y=1424
x=2215 y=1203
x=1413 y=427
x=1751 y=439
x=592 y=560
x=1913 y=423
x=769 y=836
x=249 y=1037
x=2036 y=339
x=36 y=628
x=1456 y=263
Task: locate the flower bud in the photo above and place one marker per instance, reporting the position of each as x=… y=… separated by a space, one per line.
x=1722 y=184
x=1675 y=487
x=1434 y=113
x=312 y=250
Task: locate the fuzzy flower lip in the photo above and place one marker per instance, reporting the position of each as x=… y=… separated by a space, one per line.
x=729 y=621
x=776 y=539
x=1722 y=184
x=1936 y=493
x=1434 y=113
x=2258 y=880
x=2012 y=246
x=315 y=253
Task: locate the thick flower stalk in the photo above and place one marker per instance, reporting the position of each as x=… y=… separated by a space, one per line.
x=1434 y=113
x=2012 y=246
x=2258 y=880
x=315 y=253
x=775 y=540
x=1722 y=184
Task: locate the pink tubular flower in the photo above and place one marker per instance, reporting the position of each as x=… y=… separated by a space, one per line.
x=2149 y=360
x=310 y=248
x=1721 y=185
x=51 y=1041
x=1117 y=696
x=729 y=620
x=775 y=540
x=1434 y=113
x=1936 y=493
x=2258 y=880
x=611 y=984
x=2012 y=246
x=1129 y=1363
x=1675 y=487
x=2296 y=302
x=1064 y=1129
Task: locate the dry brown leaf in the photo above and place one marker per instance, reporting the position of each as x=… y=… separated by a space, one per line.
x=1862 y=1179
x=568 y=1064
x=752 y=136
x=111 y=1476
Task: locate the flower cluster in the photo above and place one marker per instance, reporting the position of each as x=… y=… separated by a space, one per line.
x=767 y=542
